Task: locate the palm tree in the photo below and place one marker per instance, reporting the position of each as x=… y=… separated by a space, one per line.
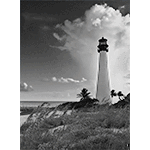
x=120 y=95
x=113 y=93
x=84 y=94
x=127 y=98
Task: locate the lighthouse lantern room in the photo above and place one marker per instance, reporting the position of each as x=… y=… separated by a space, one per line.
x=103 y=46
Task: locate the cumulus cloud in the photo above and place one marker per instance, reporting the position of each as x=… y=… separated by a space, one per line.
x=54 y=79
x=122 y=7
x=25 y=88
x=63 y=80
x=67 y=80
x=58 y=37
x=58 y=47
x=81 y=39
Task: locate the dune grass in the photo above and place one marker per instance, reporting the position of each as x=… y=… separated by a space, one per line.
x=26 y=110
x=98 y=128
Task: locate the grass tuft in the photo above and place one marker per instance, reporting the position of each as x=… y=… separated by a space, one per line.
x=95 y=128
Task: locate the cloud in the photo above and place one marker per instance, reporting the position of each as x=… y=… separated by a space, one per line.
x=83 y=80
x=81 y=39
x=58 y=37
x=72 y=80
x=45 y=28
x=39 y=17
x=63 y=80
x=67 y=80
x=25 y=88
x=45 y=79
x=122 y=7
x=58 y=47
x=54 y=79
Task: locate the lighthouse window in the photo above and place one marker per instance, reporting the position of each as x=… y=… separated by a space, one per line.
x=103 y=43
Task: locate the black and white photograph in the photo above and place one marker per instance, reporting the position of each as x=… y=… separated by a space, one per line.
x=75 y=75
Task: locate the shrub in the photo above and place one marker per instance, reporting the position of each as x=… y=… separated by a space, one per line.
x=24 y=127
x=26 y=110
x=51 y=122
x=104 y=128
x=103 y=140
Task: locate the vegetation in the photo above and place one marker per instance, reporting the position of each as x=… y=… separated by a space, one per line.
x=113 y=93
x=120 y=95
x=84 y=94
x=26 y=110
x=89 y=127
x=104 y=128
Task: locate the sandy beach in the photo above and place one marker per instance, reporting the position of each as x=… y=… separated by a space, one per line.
x=23 y=118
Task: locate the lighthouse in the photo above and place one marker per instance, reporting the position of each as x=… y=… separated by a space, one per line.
x=103 y=85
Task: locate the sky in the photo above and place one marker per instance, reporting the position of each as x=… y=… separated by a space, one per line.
x=58 y=47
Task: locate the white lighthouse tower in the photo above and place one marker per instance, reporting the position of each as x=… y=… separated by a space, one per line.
x=103 y=86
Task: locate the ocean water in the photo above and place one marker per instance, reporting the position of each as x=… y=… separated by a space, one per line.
x=38 y=103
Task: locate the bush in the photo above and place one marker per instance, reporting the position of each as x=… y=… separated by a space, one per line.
x=103 y=142
x=51 y=122
x=26 y=110
x=107 y=118
x=24 y=127
x=104 y=128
